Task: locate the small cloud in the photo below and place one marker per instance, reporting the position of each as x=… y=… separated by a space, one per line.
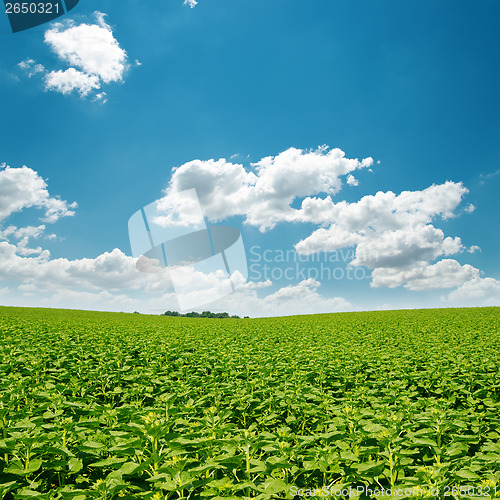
x=484 y=177
x=101 y=97
x=352 y=181
x=190 y=3
x=137 y=62
x=31 y=68
x=469 y=208
x=26 y=64
x=474 y=248
x=71 y=79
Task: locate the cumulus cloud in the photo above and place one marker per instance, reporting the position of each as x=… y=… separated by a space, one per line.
x=264 y=194
x=111 y=282
x=301 y=298
x=91 y=48
x=446 y=273
x=392 y=234
x=23 y=235
x=385 y=210
x=23 y=188
x=403 y=247
x=190 y=3
x=110 y=271
x=477 y=291
x=352 y=181
x=71 y=79
x=93 y=55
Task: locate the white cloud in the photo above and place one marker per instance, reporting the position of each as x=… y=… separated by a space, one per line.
x=96 y=301
x=328 y=240
x=394 y=235
x=404 y=247
x=23 y=188
x=22 y=232
x=101 y=97
x=90 y=47
x=387 y=230
x=31 y=68
x=352 y=181
x=110 y=271
x=92 y=53
x=302 y=298
x=263 y=196
x=447 y=273
x=474 y=248
x=111 y=282
x=477 y=291
x=23 y=236
x=385 y=210
x=190 y=3
x=485 y=177
x=71 y=79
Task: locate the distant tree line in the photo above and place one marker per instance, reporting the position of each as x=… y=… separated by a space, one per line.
x=204 y=314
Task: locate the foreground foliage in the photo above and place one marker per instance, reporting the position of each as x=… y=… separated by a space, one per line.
x=103 y=405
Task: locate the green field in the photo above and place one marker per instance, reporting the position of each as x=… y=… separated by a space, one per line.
x=113 y=405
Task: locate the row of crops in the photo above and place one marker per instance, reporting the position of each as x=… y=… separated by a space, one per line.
x=357 y=405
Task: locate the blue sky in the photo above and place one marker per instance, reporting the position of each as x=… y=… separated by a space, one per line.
x=412 y=85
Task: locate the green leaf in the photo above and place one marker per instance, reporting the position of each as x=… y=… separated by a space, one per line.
x=374 y=428
x=28 y=493
x=6 y=487
x=92 y=445
x=273 y=486
x=108 y=462
x=467 y=474
x=75 y=465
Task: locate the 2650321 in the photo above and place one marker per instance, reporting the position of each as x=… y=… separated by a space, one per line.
x=32 y=8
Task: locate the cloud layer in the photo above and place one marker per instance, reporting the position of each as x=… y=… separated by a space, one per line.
x=393 y=235
x=110 y=281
